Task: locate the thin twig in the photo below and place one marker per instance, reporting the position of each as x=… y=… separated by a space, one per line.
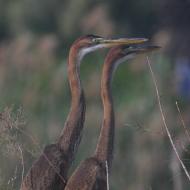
x=164 y=120
x=22 y=161
x=107 y=175
x=182 y=121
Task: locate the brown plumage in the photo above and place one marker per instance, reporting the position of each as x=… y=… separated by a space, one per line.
x=91 y=173
x=49 y=171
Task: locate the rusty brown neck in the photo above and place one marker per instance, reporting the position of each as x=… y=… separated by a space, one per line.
x=104 y=149
x=71 y=134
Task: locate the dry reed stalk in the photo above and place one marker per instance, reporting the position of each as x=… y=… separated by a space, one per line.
x=22 y=162
x=164 y=120
x=107 y=175
x=183 y=122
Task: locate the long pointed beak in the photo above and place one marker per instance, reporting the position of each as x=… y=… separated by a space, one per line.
x=121 y=41
x=143 y=49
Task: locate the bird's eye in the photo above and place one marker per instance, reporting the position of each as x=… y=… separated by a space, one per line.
x=95 y=40
x=130 y=47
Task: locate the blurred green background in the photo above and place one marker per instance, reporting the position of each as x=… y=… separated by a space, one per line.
x=35 y=37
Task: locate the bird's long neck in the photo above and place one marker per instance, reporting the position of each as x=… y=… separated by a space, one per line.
x=71 y=134
x=104 y=149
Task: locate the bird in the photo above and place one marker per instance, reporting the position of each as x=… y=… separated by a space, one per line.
x=92 y=173
x=50 y=170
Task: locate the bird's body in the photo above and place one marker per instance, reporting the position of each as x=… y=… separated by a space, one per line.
x=92 y=173
x=91 y=176
x=49 y=171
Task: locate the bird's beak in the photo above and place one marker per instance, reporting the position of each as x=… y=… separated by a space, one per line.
x=121 y=41
x=143 y=49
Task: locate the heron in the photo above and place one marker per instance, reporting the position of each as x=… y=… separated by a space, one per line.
x=91 y=174
x=50 y=170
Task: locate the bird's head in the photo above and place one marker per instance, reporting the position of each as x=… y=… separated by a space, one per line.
x=122 y=53
x=91 y=43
